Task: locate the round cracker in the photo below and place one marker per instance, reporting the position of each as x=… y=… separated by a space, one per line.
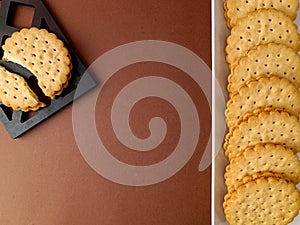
x=261 y=27
x=275 y=59
x=262 y=200
x=262 y=92
x=15 y=92
x=43 y=54
x=237 y=9
x=263 y=158
x=263 y=126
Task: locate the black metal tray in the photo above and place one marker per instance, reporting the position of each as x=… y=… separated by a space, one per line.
x=18 y=122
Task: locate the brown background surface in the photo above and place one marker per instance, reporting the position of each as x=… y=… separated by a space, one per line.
x=44 y=178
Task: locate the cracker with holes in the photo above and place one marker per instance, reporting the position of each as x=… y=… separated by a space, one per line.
x=262 y=199
x=263 y=126
x=237 y=9
x=269 y=59
x=261 y=27
x=43 y=54
x=15 y=92
x=263 y=158
x=265 y=91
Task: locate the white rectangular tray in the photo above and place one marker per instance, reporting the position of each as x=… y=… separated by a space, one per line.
x=219 y=96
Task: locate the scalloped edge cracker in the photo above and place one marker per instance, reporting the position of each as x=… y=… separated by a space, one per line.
x=261 y=27
x=274 y=126
x=15 y=92
x=237 y=9
x=43 y=54
x=262 y=199
x=262 y=92
x=263 y=158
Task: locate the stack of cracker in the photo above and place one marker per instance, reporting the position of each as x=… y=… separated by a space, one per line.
x=262 y=112
x=45 y=56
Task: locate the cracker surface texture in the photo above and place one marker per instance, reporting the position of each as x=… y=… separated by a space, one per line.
x=262 y=200
x=261 y=27
x=269 y=59
x=15 y=92
x=275 y=126
x=263 y=158
x=263 y=92
x=237 y=9
x=43 y=54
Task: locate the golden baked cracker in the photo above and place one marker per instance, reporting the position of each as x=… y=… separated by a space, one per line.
x=274 y=126
x=237 y=9
x=15 y=92
x=262 y=200
x=261 y=27
x=225 y=14
x=275 y=59
x=248 y=178
x=263 y=158
x=43 y=54
x=263 y=92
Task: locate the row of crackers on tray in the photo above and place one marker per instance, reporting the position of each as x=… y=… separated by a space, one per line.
x=45 y=56
x=262 y=112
